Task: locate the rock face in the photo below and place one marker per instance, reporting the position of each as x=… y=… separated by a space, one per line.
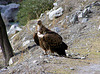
x=55 y=13
x=10 y=11
x=13 y=29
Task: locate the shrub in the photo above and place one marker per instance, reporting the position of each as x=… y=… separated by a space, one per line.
x=31 y=9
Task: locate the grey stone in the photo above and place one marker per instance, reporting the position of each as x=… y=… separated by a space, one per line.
x=84 y=20
x=72 y=68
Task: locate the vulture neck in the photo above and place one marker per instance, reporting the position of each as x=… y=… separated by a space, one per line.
x=39 y=27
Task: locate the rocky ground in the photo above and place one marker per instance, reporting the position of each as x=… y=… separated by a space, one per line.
x=79 y=25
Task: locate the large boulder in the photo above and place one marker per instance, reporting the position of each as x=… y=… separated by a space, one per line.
x=10 y=11
x=55 y=13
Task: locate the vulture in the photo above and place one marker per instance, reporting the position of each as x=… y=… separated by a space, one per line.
x=49 y=40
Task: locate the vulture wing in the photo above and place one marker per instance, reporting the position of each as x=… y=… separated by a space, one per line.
x=53 y=39
x=36 y=39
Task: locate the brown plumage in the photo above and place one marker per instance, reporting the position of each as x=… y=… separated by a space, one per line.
x=49 y=40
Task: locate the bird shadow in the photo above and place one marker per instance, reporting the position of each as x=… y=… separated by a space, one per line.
x=27 y=49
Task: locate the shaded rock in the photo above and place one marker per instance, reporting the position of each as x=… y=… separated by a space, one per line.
x=55 y=13
x=10 y=11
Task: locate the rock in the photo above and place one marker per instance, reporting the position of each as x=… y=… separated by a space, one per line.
x=0 y=50
x=99 y=27
x=55 y=4
x=42 y=14
x=46 y=60
x=13 y=36
x=2 y=2
x=84 y=20
x=14 y=60
x=26 y=42
x=97 y=51
x=10 y=11
x=10 y=61
x=50 y=24
x=1 y=7
x=4 y=69
x=56 y=29
x=35 y=61
x=51 y=57
x=72 y=68
x=80 y=15
x=86 y=12
x=13 y=29
x=74 y=19
x=55 y=13
x=97 y=3
x=41 y=57
x=83 y=57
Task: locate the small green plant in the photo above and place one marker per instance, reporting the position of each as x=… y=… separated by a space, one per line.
x=31 y=9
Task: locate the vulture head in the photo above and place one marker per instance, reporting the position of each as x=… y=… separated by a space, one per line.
x=39 y=22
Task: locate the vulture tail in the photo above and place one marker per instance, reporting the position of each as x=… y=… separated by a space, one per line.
x=61 y=49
